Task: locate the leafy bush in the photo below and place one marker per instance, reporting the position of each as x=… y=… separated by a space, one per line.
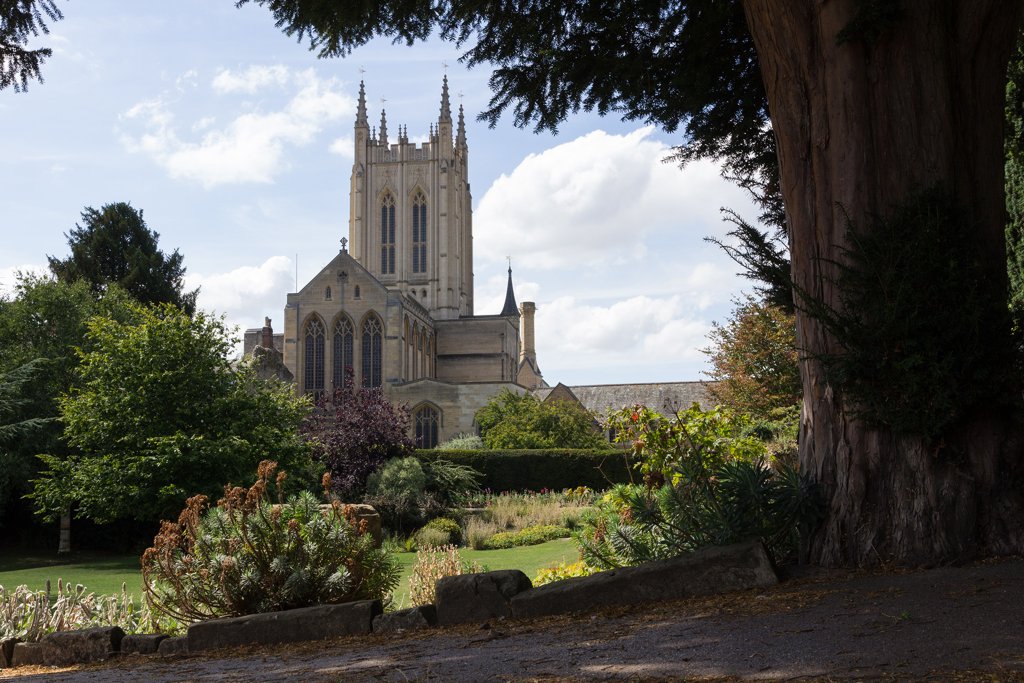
x=355 y=433
x=706 y=484
x=533 y=470
x=407 y=492
x=434 y=563
x=529 y=536
x=462 y=442
x=430 y=538
x=446 y=526
x=511 y=420
x=247 y=555
x=563 y=570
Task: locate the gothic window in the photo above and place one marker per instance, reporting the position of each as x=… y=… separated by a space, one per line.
x=373 y=342
x=419 y=233
x=426 y=418
x=355 y=294
x=327 y=294
x=342 y=362
x=313 y=377
x=387 y=235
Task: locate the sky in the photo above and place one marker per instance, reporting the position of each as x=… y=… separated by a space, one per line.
x=236 y=143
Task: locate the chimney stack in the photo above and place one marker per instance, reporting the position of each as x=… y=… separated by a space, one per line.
x=268 y=335
x=529 y=351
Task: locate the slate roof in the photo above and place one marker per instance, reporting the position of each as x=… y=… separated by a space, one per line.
x=665 y=397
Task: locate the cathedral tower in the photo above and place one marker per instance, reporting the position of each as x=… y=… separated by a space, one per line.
x=410 y=221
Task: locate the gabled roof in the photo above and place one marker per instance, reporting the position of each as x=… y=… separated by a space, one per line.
x=664 y=397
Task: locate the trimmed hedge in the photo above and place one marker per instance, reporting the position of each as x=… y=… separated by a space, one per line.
x=533 y=470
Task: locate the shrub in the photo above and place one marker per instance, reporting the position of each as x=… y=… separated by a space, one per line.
x=446 y=526
x=563 y=570
x=511 y=420
x=533 y=470
x=705 y=484
x=407 y=492
x=433 y=564
x=402 y=477
x=451 y=482
x=430 y=538
x=528 y=536
x=461 y=442
x=247 y=555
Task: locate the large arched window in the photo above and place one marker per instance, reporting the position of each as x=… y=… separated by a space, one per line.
x=426 y=418
x=342 y=361
x=313 y=376
x=419 y=233
x=373 y=351
x=387 y=235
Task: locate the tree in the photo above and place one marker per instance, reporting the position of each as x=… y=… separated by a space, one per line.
x=15 y=425
x=872 y=105
x=511 y=420
x=355 y=433
x=21 y=20
x=44 y=323
x=114 y=246
x=159 y=416
x=754 y=360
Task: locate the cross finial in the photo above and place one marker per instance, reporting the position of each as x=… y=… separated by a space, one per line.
x=344 y=243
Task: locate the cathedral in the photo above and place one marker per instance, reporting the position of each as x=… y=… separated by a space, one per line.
x=394 y=308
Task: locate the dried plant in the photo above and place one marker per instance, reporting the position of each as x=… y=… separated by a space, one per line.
x=433 y=564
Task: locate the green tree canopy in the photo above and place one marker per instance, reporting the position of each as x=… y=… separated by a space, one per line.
x=160 y=416
x=114 y=246
x=511 y=420
x=754 y=360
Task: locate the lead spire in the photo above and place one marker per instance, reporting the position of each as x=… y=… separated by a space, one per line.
x=510 y=308
x=361 y=107
x=446 y=109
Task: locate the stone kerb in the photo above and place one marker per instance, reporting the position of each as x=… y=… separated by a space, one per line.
x=703 y=572
x=289 y=626
x=70 y=647
x=478 y=597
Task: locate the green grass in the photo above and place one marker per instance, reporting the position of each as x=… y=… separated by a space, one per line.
x=101 y=574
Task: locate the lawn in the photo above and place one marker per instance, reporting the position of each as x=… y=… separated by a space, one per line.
x=104 y=574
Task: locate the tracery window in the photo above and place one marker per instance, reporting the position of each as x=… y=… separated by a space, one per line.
x=372 y=351
x=342 y=361
x=426 y=418
x=313 y=377
x=419 y=233
x=387 y=235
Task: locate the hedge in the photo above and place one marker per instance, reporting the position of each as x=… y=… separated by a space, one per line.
x=536 y=469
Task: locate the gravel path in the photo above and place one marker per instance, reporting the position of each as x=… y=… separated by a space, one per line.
x=964 y=623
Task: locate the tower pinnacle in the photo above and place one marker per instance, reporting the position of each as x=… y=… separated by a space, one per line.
x=460 y=137
x=383 y=128
x=446 y=109
x=361 y=107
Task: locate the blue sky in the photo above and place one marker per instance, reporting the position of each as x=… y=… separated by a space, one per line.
x=235 y=141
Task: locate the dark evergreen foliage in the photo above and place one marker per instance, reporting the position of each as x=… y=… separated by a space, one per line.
x=114 y=246
x=21 y=20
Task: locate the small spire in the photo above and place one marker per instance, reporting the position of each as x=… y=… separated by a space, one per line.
x=361 y=107
x=460 y=137
x=510 y=308
x=383 y=128
x=446 y=109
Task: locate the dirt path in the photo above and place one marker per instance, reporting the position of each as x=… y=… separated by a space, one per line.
x=964 y=623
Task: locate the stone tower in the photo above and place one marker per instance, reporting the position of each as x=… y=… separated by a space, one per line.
x=410 y=221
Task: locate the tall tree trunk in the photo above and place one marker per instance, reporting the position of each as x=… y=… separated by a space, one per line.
x=64 y=543
x=861 y=125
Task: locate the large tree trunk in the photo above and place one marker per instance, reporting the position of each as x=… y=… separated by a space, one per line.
x=861 y=125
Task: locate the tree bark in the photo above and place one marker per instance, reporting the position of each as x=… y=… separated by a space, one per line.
x=861 y=125
x=64 y=543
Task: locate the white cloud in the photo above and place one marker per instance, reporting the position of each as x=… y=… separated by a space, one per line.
x=343 y=146
x=250 y=80
x=249 y=149
x=247 y=293
x=598 y=200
